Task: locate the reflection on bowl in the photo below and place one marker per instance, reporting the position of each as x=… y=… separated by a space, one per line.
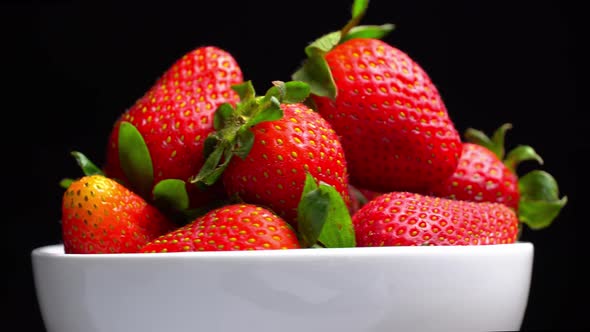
x=451 y=288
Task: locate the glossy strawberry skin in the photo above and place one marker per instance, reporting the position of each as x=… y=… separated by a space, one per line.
x=393 y=123
x=230 y=228
x=100 y=216
x=481 y=177
x=273 y=173
x=176 y=115
x=410 y=219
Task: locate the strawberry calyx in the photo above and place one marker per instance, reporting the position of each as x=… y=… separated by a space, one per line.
x=323 y=218
x=87 y=166
x=135 y=159
x=495 y=144
x=539 y=202
x=315 y=70
x=539 y=199
x=232 y=135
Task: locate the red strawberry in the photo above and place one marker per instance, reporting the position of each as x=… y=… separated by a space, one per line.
x=271 y=171
x=229 y=228
x=323 y=219
x=99 y=215
x=486 y=174
x=480 y=176
x=274 y=171
x=406 y=219
x=171 y=122
x=393 y=123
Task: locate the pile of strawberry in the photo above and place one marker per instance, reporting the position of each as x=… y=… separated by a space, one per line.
x=358 y=149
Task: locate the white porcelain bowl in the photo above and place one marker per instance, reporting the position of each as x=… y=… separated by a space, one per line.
x=454 y=288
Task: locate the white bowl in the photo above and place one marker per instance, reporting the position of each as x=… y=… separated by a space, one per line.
x=452 y=288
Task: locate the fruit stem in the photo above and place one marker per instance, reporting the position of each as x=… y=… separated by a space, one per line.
x=359 y=8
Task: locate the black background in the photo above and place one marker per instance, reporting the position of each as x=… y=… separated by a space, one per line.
x=71 y=68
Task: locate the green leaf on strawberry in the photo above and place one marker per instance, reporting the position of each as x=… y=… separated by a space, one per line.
x=87 y=166
x=168 y=194
x=222 y=116
x=539 y=203
x=171 y=197
x=323 y=217
x=289 y=92
x=369 y=31
x=519 y=154
x=233 y=135
x=171 y=193
x=315 y=70
x=135 y=159
x=496 y=144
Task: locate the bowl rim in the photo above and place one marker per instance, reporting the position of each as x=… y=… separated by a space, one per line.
x=56 y=251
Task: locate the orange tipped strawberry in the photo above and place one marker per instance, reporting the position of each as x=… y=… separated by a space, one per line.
x=99 y=215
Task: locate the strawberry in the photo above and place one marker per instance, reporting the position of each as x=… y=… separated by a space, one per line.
x=228 y=228
x=480 y=176
x=99 y=215
x=394 y=126
x=161 y=137
x=409 y=219
x=302 y=141
x=271 y=170
x=487 y=174
x=323 y=218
